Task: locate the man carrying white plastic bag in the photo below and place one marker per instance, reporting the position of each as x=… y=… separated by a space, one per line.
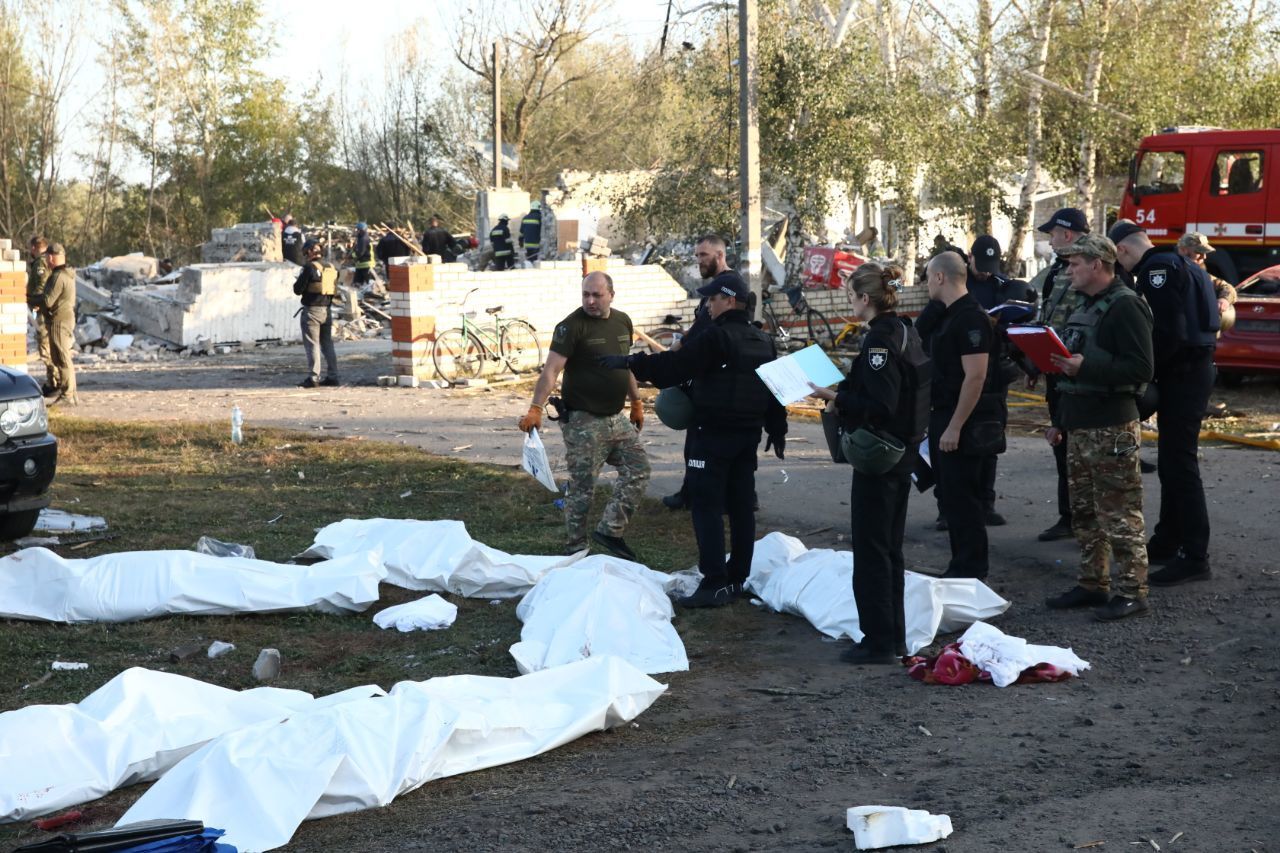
x=535 y=460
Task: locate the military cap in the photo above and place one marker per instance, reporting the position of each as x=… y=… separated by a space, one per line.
x=55 y=249
x=1091 y=246
x=1195 y=241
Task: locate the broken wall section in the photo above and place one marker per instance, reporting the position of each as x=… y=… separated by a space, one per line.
x=218 y=303
x=246 y=242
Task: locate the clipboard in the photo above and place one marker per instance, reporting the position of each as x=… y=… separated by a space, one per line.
x=1038 y=343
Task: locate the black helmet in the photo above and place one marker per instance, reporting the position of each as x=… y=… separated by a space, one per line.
x=309 y=245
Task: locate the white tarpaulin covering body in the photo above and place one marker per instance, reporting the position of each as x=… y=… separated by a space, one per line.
x=36 y=583
x=133 y=728
x=261 y=782
x=818 y=585
x=600 y=605
x=1004 y=657
x=435 y=556
x=426 y=614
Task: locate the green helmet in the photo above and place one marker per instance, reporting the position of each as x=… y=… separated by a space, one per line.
x=674 y=408
x=871 y=452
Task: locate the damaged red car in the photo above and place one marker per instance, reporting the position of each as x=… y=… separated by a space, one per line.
x=1252 y=345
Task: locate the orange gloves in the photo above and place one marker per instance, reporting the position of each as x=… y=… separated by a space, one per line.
x=637 y=414
x=532 y=419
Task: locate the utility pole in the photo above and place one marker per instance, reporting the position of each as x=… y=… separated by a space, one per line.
x=497 y=115
x=749 y=146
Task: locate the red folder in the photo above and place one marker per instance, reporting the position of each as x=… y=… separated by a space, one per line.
x=1039 y=342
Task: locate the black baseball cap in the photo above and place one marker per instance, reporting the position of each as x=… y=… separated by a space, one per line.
x=729 y=283
x=1124 y=228
x=986 y=254
x=1071 y=218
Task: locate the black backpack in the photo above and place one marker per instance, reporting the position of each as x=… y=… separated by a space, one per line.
x=913 y=402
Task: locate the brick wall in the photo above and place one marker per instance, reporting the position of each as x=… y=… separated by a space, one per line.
x=425 y=298
x=834 y=304
x=13 y=307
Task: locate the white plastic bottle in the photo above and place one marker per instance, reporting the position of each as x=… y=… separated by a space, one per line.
x=237 y=424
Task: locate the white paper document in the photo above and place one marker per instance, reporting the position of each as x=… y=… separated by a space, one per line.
x=789 y=377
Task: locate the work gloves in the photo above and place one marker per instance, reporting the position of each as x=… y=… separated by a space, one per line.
x=637 y=414
x=614 y=362
x=778 y=443
x=532 y=418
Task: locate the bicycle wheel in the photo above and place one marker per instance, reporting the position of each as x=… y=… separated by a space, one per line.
x=519 y=347
x=457 y=355
x=771 y=325
x=819 y=329
x=666 y=336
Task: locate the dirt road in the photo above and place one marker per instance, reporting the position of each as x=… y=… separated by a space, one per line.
x=769 y=738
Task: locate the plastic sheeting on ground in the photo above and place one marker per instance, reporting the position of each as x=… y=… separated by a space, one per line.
x=36 y=583
x=435 y=556
x=818 y=585
x=1005 y=657
x=133 y=728
x=61 y=521
x=261 y=782
x=426 y=614
x=600 y=605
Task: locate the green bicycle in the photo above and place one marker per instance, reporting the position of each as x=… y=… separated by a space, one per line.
x=461 y=353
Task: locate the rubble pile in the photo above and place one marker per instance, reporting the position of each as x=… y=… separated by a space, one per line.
x=248 y=241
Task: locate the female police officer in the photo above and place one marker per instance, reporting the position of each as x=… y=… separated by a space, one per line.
x=883 y=408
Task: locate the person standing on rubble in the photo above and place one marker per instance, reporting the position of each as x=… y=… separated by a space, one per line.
x=37 y=272
x=291 y=242
x=531 y=232
x=500 y=237
x=594 y=426
x=1110 y=337
x=317 y=284
x=731 y=407
x=362 y=255
x=885 y=397
x=437 y=240
x=56 y=301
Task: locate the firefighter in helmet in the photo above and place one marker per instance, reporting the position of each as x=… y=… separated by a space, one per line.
x=503 y=253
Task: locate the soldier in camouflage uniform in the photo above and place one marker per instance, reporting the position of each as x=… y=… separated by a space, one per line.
x=37 y=273
x=1195 y=247
x=595 y=428
x=1109 y=336
x=1057 y=301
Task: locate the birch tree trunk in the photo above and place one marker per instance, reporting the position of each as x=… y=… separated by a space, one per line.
x=1086 y=181
x=982 y=106
x=1041 y=29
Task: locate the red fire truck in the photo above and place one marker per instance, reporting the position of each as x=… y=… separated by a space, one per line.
x=1217 y=182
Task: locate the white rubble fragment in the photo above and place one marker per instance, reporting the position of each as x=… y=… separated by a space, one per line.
x=61 y=521
x=67 y=666
x=889 y=826
x=267 y=666
x=218 y=648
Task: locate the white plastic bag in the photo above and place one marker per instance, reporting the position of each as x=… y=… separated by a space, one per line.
x=535 y=460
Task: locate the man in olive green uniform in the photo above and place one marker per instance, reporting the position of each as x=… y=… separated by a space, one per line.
x=1109 y=336
x=317 y=284
x=37 y=272
x=1195 y=247
x=57 y=304
x=595 y=428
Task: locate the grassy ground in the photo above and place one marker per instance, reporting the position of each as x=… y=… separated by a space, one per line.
x=163 y=486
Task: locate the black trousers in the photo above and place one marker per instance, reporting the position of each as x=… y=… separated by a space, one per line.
x=1052 y=396
x=961 y=503
x=1184 y=396
x=878 y=506
x=721 y=479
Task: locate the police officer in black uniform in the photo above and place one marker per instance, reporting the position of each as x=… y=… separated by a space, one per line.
x=731 y=405
x=966 y=422
x=317 y=284
x=1185 y=309
x=886 y=391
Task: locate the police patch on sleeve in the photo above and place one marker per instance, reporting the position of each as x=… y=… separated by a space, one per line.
x=1157 y=278
x=877 y=357
x=975 y=338
x=561 y=333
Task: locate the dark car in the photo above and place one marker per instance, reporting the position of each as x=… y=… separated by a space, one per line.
x=28 y=456
x=1252 y=345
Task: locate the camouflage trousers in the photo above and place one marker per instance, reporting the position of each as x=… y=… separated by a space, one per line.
x=589 y=442
x=1106 y=507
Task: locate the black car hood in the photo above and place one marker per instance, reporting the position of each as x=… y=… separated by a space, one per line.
x=15 y=385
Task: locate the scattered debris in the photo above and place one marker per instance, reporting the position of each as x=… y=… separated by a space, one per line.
x=61 y=521
x=267 y=666
x=67 y=666
x=37 y=541
x=889 y=826
x=185 y=651
x=218 y=648
x=48 y=824
x=274 y=520
x=218 y=548
x=41 y=680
